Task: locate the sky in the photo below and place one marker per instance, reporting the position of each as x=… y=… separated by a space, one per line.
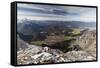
x=55 y=12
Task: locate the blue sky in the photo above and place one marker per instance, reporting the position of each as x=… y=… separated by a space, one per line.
x=52 y=12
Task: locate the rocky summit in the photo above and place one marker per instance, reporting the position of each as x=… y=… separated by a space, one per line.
x=82 y=48
x=42 y=55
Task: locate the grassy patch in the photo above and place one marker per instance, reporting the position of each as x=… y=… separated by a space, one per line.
x=37 y=42
x=68 y=37
x=76 y=31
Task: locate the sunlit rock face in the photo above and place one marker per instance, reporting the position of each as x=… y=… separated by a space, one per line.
x=86 y=41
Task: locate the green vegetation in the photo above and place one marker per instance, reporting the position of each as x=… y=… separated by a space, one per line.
x=68 y=37
x=75 y=31
x=37 y=42
x=62 y=37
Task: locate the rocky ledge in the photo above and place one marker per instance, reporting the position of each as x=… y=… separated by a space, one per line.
x=42 y=55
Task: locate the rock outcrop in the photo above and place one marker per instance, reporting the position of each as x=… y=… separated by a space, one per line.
x=83 y=48
x=42 y=55
x=21 y=44
x=86 y=41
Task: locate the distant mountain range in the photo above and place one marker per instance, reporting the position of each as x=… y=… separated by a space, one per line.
x=27 y=27
x=37 y=25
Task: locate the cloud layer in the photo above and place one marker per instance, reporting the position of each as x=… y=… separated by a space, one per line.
x=53 y=12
